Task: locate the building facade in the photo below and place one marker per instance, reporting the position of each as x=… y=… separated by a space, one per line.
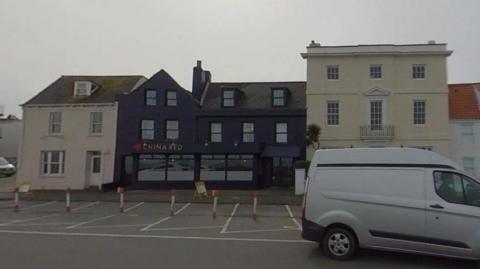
x=230 y=135
x=69 y=132
x=379 y=95
x=464 y=104
x=10 y=133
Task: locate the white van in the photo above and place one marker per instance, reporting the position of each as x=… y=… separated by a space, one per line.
x=395 y=199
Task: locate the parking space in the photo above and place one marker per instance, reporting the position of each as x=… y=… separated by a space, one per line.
x=189 y=219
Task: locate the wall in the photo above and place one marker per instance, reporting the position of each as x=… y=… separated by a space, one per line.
x=10 y=138
x=74 y=140
x=463 y=147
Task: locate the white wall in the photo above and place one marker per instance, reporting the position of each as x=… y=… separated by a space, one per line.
x=10 y=131
x=466 y=146
x=75 y=140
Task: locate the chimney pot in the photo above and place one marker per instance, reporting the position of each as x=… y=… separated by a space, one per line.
x=199 y=63
x=431 y=42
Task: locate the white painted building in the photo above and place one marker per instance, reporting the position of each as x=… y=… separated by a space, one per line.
x=464 y=103
x=379 y=95
x=69 y=132
x=10 y=132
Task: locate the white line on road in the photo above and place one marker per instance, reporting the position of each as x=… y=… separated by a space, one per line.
x=111 y=226
x=293 y=217
x=164 y=219
x=264 y=230
x=45 y=224
x=225 y=227
x=185 y=228
x=90 y=221
x=133 y=207
x=38 y=205
x=86 y=206
x=155 y=236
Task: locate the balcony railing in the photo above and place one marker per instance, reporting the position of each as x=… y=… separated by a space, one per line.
x=377 y=132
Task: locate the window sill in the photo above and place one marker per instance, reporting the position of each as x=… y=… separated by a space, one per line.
x=55 y=135
x=52 y=176
x=95 y=135
x=419 y=125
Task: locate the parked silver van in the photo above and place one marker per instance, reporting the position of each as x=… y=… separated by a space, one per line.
x=394 y=199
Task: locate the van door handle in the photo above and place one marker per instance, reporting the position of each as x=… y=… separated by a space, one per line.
x=437 y=206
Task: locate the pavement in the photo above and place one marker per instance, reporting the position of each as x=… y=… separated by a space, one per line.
x=267 y=196
x=95 y=234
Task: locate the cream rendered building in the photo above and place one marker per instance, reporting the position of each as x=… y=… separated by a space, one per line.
x=379 y=95
x=69 y=132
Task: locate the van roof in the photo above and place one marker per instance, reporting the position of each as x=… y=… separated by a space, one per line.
x=382 y=156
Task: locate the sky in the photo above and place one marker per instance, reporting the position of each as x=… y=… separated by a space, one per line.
x=237 y=40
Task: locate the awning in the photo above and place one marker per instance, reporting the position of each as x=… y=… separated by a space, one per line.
x=281 y=151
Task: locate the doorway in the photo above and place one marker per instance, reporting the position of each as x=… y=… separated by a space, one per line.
x=282 y=172
x=94 y=168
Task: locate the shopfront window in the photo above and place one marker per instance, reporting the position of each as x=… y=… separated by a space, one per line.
x=240 y=168
x=151 y=167
x=212 y=167
x=180 y=167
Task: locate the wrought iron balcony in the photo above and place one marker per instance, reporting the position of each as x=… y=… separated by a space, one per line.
x=377 y=132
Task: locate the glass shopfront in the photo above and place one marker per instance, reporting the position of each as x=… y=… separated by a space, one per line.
x=161 y=167
x=226 y=168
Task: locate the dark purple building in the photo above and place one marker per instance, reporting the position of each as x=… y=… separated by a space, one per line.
x=230 y=135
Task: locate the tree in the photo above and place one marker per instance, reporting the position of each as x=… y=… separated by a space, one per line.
x=313 y=136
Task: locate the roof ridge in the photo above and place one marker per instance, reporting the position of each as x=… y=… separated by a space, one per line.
x=265 y=82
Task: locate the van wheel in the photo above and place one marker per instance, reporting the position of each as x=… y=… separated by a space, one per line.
x=339 y=244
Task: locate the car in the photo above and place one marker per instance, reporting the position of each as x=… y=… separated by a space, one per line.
x=6 y=169
x=393 y=199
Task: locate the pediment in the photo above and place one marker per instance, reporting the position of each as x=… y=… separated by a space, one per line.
x=376 y=91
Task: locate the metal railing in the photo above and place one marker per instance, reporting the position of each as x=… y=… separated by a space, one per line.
x=377 y=132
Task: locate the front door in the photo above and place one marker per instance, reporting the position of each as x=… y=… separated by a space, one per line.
x=282 y=174
x=94 y=168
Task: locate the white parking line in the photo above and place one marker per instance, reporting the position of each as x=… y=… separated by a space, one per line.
x=90 y=221
x=47 y=216
x=45 y=224
x=293 y=217
x=38 y=205
x=133 y=207
x=225 y=227
x=264 y=230
x=185 y=228
x=111 y=226
x=155 y=236
x=86 y=206
x=146 y=228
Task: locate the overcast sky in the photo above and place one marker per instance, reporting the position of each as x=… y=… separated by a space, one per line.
x=244 y=40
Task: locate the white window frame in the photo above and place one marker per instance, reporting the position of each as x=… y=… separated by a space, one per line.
x=374 y=73
x=417 y=113
x=277 y=133
x=248 y=133
x=49 y=163
x=171 y=100
x=333 y=114
x=383 y=118
x=416 y=73
x=170 y=131
x=212 y=134
x=82 y=88
x=94 y=124
x=52 y=123
x=333 y=72
x=147 y=129
x=228 y=101
x=282 y=97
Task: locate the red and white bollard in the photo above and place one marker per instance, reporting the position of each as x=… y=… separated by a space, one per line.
x=15 y=200
x=121 y=191
x=255 y=202
x=67 y=200
x=172 y=202
x=215 y=202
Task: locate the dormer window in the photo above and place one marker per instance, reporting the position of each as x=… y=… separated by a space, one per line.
x=279 y=97
x=83 y=88
x=228 y=99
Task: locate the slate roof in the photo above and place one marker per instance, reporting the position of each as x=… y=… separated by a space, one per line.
x=61 y=90
x=256 y=95
x=464 y=101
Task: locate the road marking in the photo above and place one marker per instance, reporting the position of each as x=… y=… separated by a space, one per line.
x=164 y=219
x=264 y=230
x=293 y=217
x=86 y=206
x=133 y=207
x=111 y=226
x=47 y=216
x=89 y=221
x=38 y=205
x=185 y=228
x=155 y=236
x=45 y=224
x=225 y=227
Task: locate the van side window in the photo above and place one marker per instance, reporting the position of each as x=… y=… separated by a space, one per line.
x=472 y=191
x=458 y=189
